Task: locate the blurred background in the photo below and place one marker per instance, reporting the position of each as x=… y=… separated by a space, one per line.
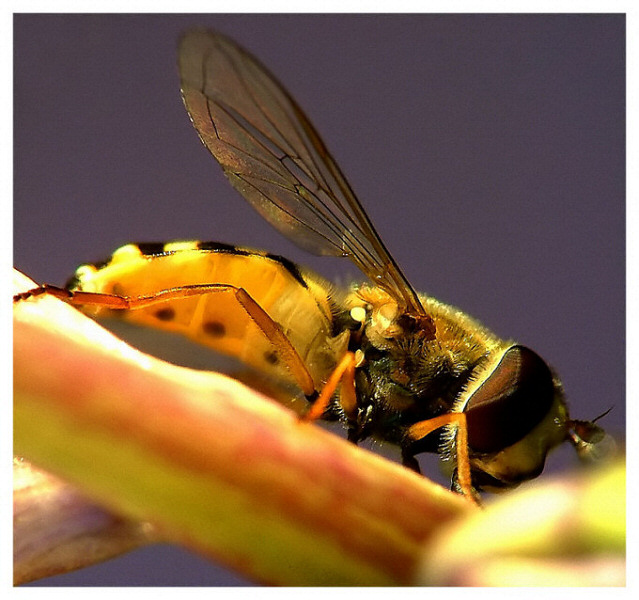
x=489 y=150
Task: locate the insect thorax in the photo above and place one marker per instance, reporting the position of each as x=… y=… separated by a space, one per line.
x=404 y=377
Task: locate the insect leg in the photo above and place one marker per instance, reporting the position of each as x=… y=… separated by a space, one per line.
x=423 y=428
x=277 y=337
x=76 y=298
x=256 y=313
x=344 y=372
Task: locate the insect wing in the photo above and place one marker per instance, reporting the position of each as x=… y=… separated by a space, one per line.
x=272 y=154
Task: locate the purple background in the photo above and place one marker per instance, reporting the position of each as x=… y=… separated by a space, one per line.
x=489 y=150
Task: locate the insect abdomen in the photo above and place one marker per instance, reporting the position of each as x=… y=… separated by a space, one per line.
x=296 y=300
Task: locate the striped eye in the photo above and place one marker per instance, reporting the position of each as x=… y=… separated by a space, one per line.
x=510 y=402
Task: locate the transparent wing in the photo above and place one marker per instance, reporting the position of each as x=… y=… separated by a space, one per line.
x=272 y=154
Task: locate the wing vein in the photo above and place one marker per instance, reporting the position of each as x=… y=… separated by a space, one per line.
x=273 y=155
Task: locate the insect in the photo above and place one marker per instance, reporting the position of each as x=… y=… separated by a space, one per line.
x=389 y=362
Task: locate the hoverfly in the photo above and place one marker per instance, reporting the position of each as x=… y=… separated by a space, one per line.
x=389 y=362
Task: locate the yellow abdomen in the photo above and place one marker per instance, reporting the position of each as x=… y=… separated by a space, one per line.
x=298 y=301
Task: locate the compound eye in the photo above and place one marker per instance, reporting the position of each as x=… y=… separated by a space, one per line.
x=510 y=402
